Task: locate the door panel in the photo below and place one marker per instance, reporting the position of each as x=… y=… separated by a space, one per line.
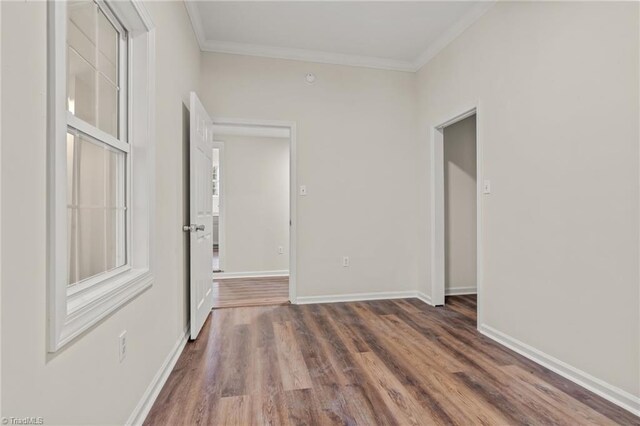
x=201 y=214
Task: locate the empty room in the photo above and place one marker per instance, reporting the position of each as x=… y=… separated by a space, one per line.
x=319 y=212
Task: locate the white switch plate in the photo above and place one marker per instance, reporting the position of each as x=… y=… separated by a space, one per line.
x=345 y=261
x=280 y=250
x=122 y=345
x=486 y=186
x=303 y=189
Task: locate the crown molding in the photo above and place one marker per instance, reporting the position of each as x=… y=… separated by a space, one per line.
x=453 y=32
x=306 y=55
x=275 y=52
x=196 y=22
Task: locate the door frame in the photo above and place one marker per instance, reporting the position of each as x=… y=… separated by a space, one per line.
x=219 y=145
x=270 y=128
x=437 y=201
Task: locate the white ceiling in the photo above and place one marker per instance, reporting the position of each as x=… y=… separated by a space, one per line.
x=389 y=35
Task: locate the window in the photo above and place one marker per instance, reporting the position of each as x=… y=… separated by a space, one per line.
x=96 y=207
x=96 y=67
x=100 y=162
x=97 y=149
x=215 y=180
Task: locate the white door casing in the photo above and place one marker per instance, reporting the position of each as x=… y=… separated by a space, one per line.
x=201 y=213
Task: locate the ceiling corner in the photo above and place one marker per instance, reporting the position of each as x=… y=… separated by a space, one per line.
x=196 y=23
x=452 y=33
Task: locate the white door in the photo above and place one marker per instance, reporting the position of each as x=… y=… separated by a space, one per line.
x=201 y=213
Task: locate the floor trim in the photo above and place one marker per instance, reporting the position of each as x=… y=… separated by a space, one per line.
x=607 y=391
x=424 y=297
x=251 y=274
x=460 y=291
x=139 y=413
x=358 y=297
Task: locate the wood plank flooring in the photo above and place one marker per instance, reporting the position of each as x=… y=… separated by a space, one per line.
x=236 y=292
x=395 y=362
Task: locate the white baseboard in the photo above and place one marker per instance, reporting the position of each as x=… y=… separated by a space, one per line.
x=251 y=274
x=460 y=291
x=139 y=413
x=424 y=297
x=356 y=297
x=607 y=391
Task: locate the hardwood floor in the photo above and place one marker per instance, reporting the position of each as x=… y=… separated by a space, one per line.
x=235 y=292
x=395 y=362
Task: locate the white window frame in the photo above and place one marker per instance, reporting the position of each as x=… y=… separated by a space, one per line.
x=74 y=309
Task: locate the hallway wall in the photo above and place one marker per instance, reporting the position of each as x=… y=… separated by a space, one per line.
x=256 y=185
x=84 y=383
x=356 y=140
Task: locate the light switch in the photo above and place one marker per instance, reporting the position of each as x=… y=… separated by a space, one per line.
x=486 y=186
x=303 y=189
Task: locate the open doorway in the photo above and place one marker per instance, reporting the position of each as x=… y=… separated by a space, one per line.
x=456 y=224
x=252 y=204
x=460 y=185
x=216 y=198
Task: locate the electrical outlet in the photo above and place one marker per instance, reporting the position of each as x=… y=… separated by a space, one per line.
x=122 y=345
x=280 y=250
x=345 y=261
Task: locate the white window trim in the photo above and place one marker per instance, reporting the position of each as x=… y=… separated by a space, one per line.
x=73 y=310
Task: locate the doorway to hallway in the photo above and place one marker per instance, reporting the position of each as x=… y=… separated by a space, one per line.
x=253 y=243
x=456 y=224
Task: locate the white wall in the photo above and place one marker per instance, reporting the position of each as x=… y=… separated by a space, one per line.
x=84 y=383
x=355 y=149
x=558 y=120
x=460 y=206
x=256 y=199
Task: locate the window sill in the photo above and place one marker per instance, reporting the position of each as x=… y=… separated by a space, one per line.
x=92 y=305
